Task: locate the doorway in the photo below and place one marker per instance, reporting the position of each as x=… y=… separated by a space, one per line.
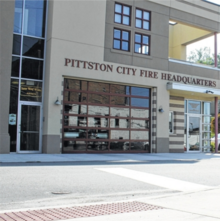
x=194 y=138
x=29 y=128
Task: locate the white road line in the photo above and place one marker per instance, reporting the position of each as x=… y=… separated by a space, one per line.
x=157 y=180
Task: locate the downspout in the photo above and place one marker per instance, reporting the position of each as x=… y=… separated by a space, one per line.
x=216 y=124
x=215 y=49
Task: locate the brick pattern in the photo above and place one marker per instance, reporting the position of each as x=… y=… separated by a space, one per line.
x=176 y=140
x=154 y=120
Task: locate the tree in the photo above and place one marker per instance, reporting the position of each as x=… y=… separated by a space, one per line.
x=203 y=56
x=213 y=124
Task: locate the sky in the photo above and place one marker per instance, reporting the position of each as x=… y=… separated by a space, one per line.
x=214 y=1
x=208 y=42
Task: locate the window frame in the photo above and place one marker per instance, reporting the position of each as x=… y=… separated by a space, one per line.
x=149 y=41
x=172 y=122
x=122 y=14
x=121 y=40
x=142 y=19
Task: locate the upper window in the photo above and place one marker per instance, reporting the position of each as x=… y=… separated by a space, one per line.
x=122 y=14
x=216 y=2
x=121 y=40
x=142 y=44
x=142 y=19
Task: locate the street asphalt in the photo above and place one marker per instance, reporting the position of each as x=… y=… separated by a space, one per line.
x=187 y=186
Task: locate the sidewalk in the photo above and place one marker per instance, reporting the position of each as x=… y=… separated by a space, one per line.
x=201 y=205
x=58 y=158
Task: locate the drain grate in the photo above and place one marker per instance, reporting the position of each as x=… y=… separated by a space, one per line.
x=77 y=212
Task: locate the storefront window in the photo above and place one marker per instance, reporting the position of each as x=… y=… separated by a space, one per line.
x=194 y=107
x=171 y=117
x=112 y=125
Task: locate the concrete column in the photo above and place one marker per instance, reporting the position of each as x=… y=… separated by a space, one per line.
x=216 y=124
x=6 y=38
x=215 y=48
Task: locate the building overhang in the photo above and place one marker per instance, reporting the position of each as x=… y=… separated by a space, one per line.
x=186 y=89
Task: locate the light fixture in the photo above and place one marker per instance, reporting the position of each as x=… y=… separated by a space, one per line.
x=160 y=109
x=209 y=92
x=172 y=22
x=57 y=102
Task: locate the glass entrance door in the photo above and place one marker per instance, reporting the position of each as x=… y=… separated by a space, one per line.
x=194 y=133
x=29 y=128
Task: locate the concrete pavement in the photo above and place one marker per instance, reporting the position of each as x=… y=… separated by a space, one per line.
x=51 y=158
x=199 y=204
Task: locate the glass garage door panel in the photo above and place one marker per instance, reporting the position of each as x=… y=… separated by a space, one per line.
x=29 y=128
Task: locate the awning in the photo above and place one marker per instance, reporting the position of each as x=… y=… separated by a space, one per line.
x=193 y=90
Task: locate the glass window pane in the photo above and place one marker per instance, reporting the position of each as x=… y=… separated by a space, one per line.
x=97 y=146
x=125 y=45
x=137 y=38
x=116 y=44
x=119 y=112
x=31 y=91
x=118 y=8
x=138 y=91
x=98 y=110
x=140 y=113
x=118 y=100
x=14 y=96
x=119 y=134
x=206 y=120
x=206 y=108
x=98 y=134
x=119 y=146
x=75 y=96
x=13 y=114
x=126 y=20
x=145 y=50
x=18 y=16
x=32 y=69
x=145 y=40
x=138 y=13
x=34 y=18
x=33 y=47
x=194 y=107
x=29 y=141
x=206 y=127
x=75 y=121
x=119 y=89
x=74 y=133
x=206 y=136
x=99 y=87
x=119 y=123
x=74 y=145
x=139 y=135
x=143 y=146
x=75 y=109
x=139 y=124
x=138 y=102
x=138 y=23
x=15 y=66
x=117 y=33
x=126 y=10
x=146 y=25
x=16 y=44
x=146 y=15
x=98 y=99
x=98 y=122
x=125 y=35
x=117 y=18
x=137 y=48
x=75 y=84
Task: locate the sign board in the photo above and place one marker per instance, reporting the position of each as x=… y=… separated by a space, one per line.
x=12 y=119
